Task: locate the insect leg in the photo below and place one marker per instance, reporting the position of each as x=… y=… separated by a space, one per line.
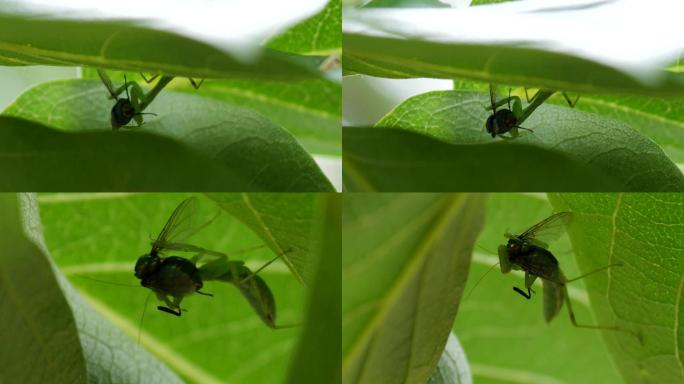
x=108 y=84
x=574 y=321
x=527 y=295
x=529 y=280
x=195 y=84
x=517 y=106
x=528 y=98
x=618 y=264
x=169 y=304
x=251 y=275
x=204 y=293
x=151 y=79
x=148 y=97
x=504 y=101
x=169 y=310
x=203 y=253
x=570 y=102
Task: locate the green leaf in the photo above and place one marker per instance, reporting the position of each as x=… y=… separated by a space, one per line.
x=72 y=335
x=36 y=318
x=311 y=110
x=324 y=322
x=404 y=263
x=661 y=119
x=319 y=35
x=646 y=233
x=405 y=4
x=479 y=44
x=239 y=142
x=155 y=40
x=453 y=365
x=273 y=218
x=36 y=157
x=568 y=150
x=505 y=336
x=96 y=238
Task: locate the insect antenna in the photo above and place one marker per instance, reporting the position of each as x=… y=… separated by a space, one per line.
x=480 y=279
x=128 y=97
x=509 y=98
x=106 y=282
x=142 y=317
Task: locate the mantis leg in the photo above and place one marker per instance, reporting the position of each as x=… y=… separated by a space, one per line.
x=517 y=106
x=507 y=101
x=529 y=280
x=147 y=99
x=151 y=79
x=570 y=102
x=571 y=313
x=528 y=98
x=195 y=84
x=204 y=253
x=251 y=275
x=170 y=304
x=113 y=92
x=137 y=94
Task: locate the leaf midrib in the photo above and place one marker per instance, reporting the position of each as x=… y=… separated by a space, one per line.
x=403 y=279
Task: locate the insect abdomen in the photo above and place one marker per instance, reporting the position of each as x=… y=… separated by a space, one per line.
x=539 y=262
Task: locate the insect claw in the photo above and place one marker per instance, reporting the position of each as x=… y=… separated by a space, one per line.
x=170 y=311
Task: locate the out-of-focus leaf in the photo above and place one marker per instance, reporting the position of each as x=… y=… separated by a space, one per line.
x=319 y=354
x=205 y=39
x=35 y=157
x=566 y=46
x=404 y=262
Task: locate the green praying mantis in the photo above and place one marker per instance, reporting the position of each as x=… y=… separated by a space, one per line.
x=528 y=252
x=508 y=120
x=172 y=278
x=137 y=100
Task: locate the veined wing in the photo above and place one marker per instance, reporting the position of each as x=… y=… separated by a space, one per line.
x=182 y=247
x=548 y=229
x=492 y=96
x=180 y=225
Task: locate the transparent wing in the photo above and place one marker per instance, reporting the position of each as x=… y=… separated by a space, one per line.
x=180 y=225
x=548 y=229
x=492 y=96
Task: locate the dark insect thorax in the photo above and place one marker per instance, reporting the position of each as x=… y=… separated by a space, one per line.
x=501 y=122
x=176 y=276
x=533 y=259
x=122 y=112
